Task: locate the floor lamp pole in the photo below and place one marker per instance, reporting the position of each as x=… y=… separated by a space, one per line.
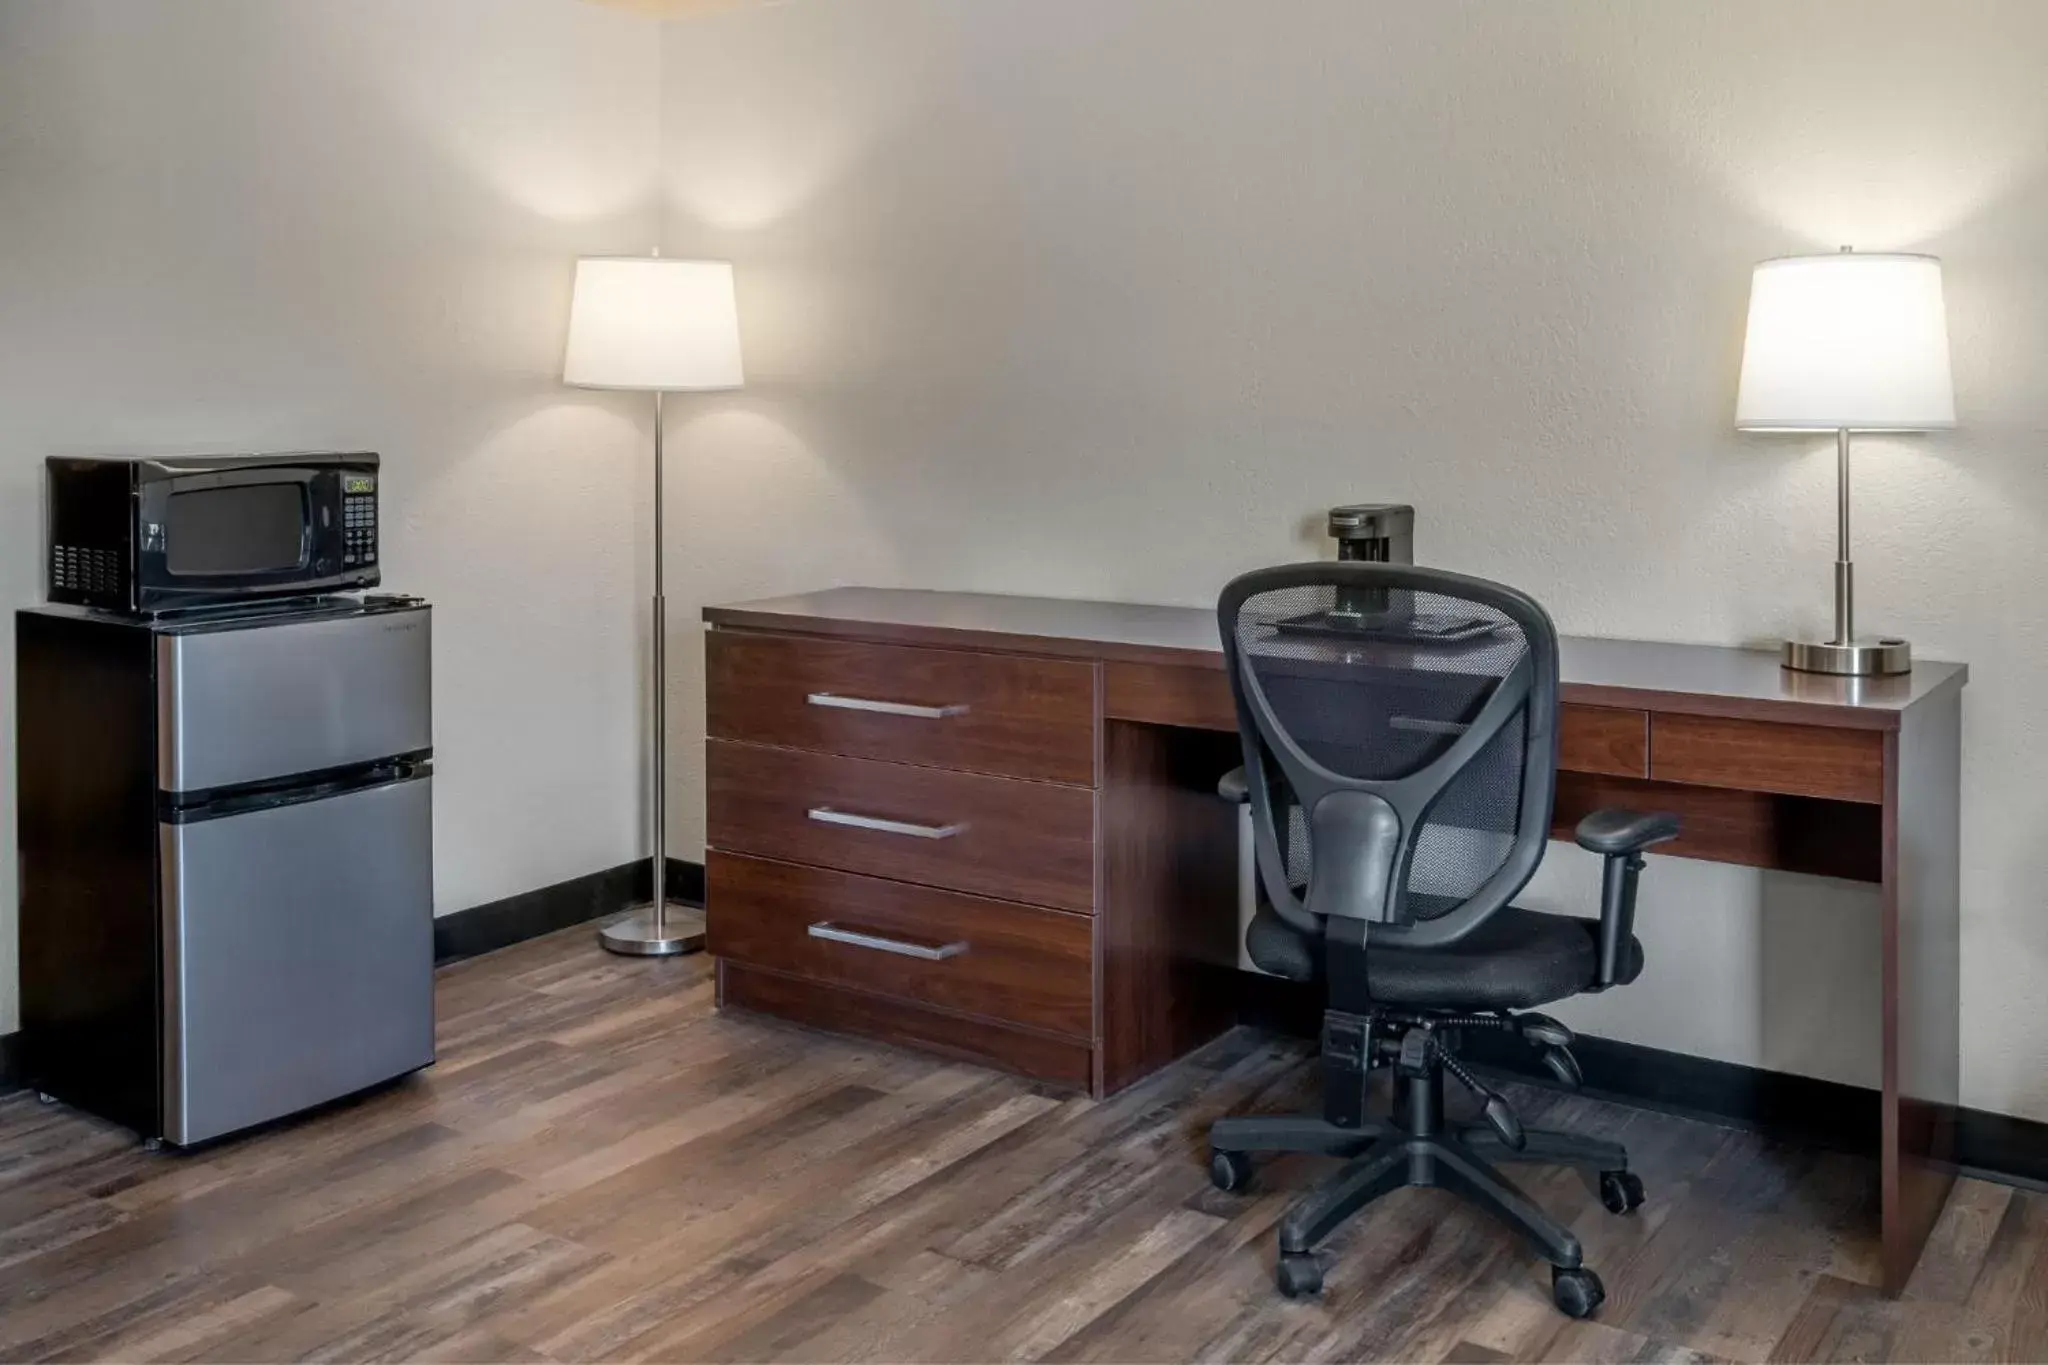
x=658 y=929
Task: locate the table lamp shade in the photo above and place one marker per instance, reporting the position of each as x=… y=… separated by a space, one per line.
x=1848 y=341
x=653 y=324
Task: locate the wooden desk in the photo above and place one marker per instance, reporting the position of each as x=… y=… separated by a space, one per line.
x=987 y=826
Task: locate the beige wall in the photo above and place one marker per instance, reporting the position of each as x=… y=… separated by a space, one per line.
x=245 y=224
x=1111 y=297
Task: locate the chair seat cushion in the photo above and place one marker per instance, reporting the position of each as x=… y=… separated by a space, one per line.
x=1518 y=959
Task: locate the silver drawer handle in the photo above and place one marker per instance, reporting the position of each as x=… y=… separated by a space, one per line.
x=853 y=938
x=825 y=815
x=886 y=708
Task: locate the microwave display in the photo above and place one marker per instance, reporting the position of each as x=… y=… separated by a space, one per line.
x=254 y=528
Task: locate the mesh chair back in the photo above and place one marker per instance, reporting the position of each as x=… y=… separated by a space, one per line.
x=1425 y=703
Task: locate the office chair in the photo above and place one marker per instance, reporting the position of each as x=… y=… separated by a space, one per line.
x=1400 y=740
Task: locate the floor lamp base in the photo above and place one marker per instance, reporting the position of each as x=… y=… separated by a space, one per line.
x=634 y=934
x=1857 y=659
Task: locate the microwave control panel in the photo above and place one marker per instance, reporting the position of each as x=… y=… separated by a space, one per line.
x=359 y=522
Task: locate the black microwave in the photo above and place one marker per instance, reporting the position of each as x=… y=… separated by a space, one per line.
x=152 y=535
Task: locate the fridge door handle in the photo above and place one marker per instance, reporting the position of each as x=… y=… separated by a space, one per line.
x=188 y=807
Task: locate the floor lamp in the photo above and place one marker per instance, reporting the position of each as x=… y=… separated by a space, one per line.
x=653 y=325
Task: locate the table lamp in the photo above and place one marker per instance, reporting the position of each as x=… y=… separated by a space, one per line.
x=1847 y=342
x=652 y=325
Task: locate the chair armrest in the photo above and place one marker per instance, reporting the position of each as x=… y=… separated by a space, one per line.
x=1612 y=833
x=1620 y=836
x=1274 y=896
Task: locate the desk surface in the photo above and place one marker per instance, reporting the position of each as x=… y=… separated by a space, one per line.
x=1702 y=679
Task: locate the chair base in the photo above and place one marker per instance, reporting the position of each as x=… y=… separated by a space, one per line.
x=1382 y=1158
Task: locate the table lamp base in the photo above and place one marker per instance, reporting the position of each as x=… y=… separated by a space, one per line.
x=1856 y=659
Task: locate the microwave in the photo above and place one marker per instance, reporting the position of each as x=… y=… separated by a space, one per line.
x=164 y=534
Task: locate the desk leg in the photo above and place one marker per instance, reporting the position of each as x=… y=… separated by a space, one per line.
x=1166 y=918
x=1922 y=958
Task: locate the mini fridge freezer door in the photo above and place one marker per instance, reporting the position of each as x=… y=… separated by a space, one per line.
x=255 y=703
x=298 y=955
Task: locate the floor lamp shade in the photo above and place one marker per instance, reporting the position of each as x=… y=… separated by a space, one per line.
x=653 y=324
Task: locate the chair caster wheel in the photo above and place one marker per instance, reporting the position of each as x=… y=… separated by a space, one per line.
x=1578 y=1292
x=1300 y=1275
x=1230 y=1172
x=1621 y=1191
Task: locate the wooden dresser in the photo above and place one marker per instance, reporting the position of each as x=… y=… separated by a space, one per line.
x=903 y=844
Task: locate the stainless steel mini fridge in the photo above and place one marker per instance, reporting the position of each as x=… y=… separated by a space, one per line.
x=226 y=847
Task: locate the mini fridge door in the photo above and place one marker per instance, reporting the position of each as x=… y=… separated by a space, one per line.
x=263 y=699
x=298 y=953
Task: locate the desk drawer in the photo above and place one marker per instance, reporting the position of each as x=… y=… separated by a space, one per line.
x=986 y=713
x=1766 y=756
x=992 y=836
x=1603 y=739
x=1012 y=963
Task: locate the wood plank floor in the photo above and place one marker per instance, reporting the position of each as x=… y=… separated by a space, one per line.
x=602 y=1168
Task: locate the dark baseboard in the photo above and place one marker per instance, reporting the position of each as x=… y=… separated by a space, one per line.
x=2003 y=1148
x=500 y=924
x=1792 y=1108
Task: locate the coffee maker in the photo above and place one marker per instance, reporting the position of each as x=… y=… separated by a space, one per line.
x=1371 y=533
x=1375 y=532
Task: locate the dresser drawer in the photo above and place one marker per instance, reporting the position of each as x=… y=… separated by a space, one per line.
x=836 y=1009
x=985 y=713
x=992 y=836
x=1012 y=963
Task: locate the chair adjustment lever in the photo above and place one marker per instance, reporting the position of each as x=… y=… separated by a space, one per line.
x=1499 y=1114
x=1552 y=1042
x=1418 y=1047
x=1565 y=1067
x=1540 y=1030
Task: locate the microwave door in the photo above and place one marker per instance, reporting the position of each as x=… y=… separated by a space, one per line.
x=238 y=531
x=207 y=536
